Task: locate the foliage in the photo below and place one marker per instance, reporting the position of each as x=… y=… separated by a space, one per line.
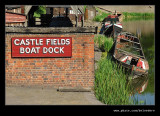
x=100 y=16
x=103 y=42
x=110 y=83
x=84 y=8
x=104 y=54
x=39 y=11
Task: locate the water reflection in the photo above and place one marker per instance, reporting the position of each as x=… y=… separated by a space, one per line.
x=138 y=85
x=146 y=26
x=143 y=88
x=144 y=99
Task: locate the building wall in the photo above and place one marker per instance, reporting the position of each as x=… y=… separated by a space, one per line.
x=77 y=71
x=13 y=19
x=90 y=13
x=14 y=10
x=62 y=12
x=56 y=11
x=72 y=17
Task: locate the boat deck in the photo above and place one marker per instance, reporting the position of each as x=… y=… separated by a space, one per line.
x=128 y=45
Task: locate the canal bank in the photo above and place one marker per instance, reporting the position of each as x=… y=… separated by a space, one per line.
x=47 y=96
x=143 y=89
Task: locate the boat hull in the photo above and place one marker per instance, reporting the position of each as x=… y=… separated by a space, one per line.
x=120 y=55
x=128 y=69
x=112 y=30
x=117 y=29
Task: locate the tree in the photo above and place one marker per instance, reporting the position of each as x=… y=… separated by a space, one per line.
x=39 y=11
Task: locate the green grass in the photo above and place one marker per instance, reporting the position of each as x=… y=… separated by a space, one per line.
x=100 y=16
x=39 y=11
x=110 y=83
x=103 y=42
x=134 y=14
x=127 y=16
x=110 y=79
x=137 y=16
x=84 y=8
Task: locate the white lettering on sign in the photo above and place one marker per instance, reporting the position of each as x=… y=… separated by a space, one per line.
x=28 y=42
x=42 y=47
x=40 y=42
x=29 y=50
x=57 y=42
x=15 y=42
x=51 y=50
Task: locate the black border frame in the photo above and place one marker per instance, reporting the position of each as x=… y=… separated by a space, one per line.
x=80 y=108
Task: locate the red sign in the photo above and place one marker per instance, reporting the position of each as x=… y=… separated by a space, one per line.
x=42 y=47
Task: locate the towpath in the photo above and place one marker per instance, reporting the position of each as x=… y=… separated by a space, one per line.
x=47 y=96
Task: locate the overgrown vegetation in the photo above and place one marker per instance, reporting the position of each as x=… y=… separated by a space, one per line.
x=85 y=8
x=100 y=16
x=110 y=83
x=110 y=79
x=103 y=42
x=39 y=11
x=111 y=86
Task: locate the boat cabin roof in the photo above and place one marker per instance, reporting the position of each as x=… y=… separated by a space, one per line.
x=112 y=18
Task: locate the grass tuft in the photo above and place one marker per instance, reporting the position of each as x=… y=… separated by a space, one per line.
x=103 y=42
x=137 y=16
x=110 y=83
x=100 y=16
x=110 y=80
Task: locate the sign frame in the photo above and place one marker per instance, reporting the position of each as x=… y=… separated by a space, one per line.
x=67 y=48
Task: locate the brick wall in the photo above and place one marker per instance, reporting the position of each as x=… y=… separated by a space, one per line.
x=77 y=71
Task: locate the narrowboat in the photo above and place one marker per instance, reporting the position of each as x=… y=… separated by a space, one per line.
x=128 y=52
x=112 y=26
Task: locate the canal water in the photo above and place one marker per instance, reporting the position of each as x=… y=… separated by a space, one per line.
x=144 y=88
